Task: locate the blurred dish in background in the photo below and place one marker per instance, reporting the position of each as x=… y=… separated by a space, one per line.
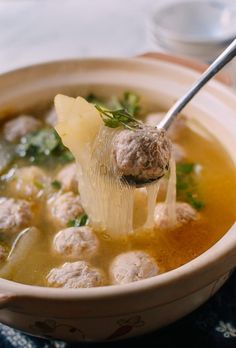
x=199 y=29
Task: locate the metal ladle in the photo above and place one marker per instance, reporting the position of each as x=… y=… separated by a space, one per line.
x=225 y=57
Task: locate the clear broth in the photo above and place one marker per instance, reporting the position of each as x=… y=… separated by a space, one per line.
x=171 y=249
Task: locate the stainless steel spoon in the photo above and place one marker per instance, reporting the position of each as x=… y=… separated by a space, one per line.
x=225 y=57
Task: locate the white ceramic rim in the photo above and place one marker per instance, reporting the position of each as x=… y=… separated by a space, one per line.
x=206 y=260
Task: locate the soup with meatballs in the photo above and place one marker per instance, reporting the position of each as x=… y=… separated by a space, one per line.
x=73 y=210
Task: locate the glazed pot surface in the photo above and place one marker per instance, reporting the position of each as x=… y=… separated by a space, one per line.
x=117 y=312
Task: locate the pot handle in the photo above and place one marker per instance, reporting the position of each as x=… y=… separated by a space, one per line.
x=222 y=77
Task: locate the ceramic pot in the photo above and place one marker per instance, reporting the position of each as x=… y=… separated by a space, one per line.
x=120 y=311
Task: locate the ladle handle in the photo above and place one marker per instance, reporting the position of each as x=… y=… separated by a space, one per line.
x=225 y=57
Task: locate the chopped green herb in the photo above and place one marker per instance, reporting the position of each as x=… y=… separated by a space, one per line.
x=64 y=155
x=38 y=184
x=194 y=201
x=56 y=184
x=130 y=103
x=78 y=222
x=92 y=98
x=43 y=145
x=185 y=168
x=7 y=155
x=187 y=185
x=118 y=118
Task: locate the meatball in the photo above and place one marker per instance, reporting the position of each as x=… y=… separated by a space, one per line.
x=132 y=266
x=76 y=243
x=65 y=207
x=14 y=129
x=179 y=153
x=143 y=154
x=14 y=215
x=68 y=178
x=175 y=130
x=78 y=274
x=29 y=182
x=184 y=214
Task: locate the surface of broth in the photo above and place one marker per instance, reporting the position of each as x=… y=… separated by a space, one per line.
x=170 y=248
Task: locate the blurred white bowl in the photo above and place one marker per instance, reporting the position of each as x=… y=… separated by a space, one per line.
x=200 y=29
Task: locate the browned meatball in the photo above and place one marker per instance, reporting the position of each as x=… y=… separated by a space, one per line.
x=78 y=274
x=14 y=215
x=142 y=154
x=64 y=207
x=76 y=243
x=14 y=129
x=132 y=266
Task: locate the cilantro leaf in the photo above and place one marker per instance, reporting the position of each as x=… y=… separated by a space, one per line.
x=93 y=99
x=121 y=111
x=78 y=222
x=194 y=201
x=118 y=118
x=56 y=184
x=130 y=102
x=42 y=145
x=187 y=185
x=185 y=168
